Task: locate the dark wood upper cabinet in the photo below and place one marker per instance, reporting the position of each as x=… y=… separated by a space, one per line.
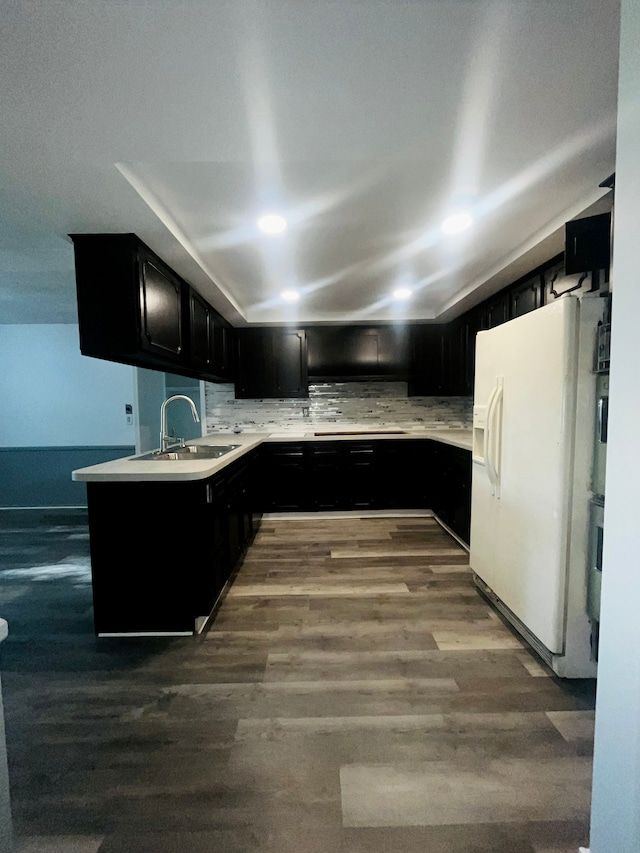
x=557 y=283
x=526 y=297
x=290 y=363
x=462 y=353
x=357 y=352
x=271 y=362
x=223 y=347
x=429 y=360
x=161 y=300
x=130 y=304
x=134 y=309
x=458 y=345
x=443 y=357
x=253 y=361
x=495 y=310
x=211 y=339
x=201 y=331
x=588 y=244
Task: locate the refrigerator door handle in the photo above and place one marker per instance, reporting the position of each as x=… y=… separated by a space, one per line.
x=487 y=427
x=494 y=425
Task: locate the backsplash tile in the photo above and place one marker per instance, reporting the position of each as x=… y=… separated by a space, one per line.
x=383 y=405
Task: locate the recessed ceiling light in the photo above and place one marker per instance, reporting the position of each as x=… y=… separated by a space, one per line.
x=402 y=294
x=457 y=222
x=290 y=295
x=272 y=224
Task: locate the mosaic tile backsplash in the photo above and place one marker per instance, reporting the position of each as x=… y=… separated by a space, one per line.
x=379 y=405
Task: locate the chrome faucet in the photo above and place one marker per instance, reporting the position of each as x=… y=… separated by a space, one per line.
x=167 y=440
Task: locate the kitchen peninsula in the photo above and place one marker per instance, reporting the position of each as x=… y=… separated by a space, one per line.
x=166 y=536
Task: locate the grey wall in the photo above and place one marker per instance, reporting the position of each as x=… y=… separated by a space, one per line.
x=53 y=396
x=150 y=393
x=41 y=476
x=60 y=411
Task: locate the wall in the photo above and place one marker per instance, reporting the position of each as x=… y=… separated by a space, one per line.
x=151 y=392
x=54 y=396
x=615 y=818
x=60 y=411
x=378 y=405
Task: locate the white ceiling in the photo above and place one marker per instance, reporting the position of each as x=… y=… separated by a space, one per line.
x=363 y=121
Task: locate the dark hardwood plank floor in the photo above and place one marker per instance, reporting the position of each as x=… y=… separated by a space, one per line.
x=353 y=694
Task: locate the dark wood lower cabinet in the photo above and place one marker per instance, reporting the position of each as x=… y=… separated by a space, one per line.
x=361 y=475
x=452 y=497
x=161 y=552
x=405 y=474
x=326 y=491
x=285 y=472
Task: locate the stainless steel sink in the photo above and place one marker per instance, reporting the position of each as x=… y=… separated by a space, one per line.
x=191 y=451
x=210 y=450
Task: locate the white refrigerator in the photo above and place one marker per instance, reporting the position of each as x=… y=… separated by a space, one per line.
x=533 y=435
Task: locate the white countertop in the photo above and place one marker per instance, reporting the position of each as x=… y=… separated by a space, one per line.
x=457 y=437
x=130 y=469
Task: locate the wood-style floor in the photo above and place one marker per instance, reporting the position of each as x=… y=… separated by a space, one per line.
x=354 y=694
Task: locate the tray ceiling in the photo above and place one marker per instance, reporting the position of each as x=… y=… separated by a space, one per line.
x=364 y=123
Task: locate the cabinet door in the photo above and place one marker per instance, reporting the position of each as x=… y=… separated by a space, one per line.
x=361 y=480
x=234 y=527
x=201 y=328
x=239 y=516
x=327 y=486
x=441 y=499
x=472 y=321
x=526 y=297
x=287 y=478
x=271 y=363
x=402 y=474
x=210 y=340
x=460 y=517
x=452 y=499
x=213 y=572
x=290 y=363
x=254 y=364
x=428 y=374
x=588 y=244
x=495 y=311
x=161 y=309
x=357 y=352
x=557 y=282
x=222 y=346
x=458 y=350
x=130 y=304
